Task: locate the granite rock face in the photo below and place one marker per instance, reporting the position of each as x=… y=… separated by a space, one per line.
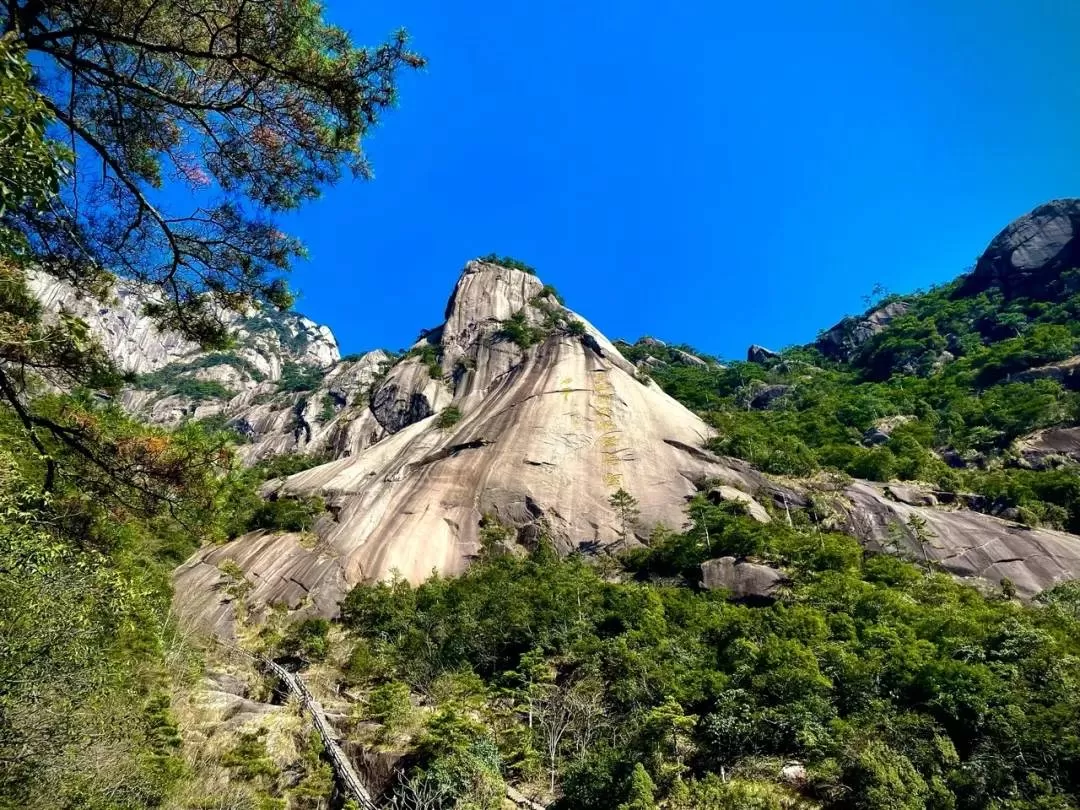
x=550 y=425
x=1031 y=251
x=551 y=421
x=844 y=339
x=744 y=581
x=547 y=434
x=965 y=543
x=252 y=388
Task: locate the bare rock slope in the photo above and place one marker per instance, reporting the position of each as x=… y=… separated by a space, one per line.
x=517 y=408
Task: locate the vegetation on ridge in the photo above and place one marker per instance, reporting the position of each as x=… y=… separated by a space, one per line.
x=949 y=376
x=889 y=686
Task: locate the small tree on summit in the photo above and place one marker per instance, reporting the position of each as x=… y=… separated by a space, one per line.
x=626 y=507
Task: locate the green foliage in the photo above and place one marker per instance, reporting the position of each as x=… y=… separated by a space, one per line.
x=518 y=330
x=300 y=92
x=449 y=417
x=176 y=378
x=971 y=407
x=286 y=465
x=641 y=791
x=286 y=514
x=509 y=262
x=548 y=291
x=328 y=408
x=31 y=165
x=430 y=356
x=897 y=687
x=306 y=639
x=626 y=509
x=250 y=758
x=296 y=378
x=576 y=328
x=390 y=705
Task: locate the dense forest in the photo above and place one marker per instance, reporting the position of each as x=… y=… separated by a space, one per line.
x=871 y=682
x=615 y=678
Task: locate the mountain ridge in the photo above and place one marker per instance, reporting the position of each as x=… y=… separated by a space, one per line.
x=517 y=410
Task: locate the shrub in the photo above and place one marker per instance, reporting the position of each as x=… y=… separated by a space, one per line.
x=290 y=464
x=517 y=330
x=449 y=417
x=429 y=355
x=296 y=378
x=575 y=327
x=509 y=262
x=390 y=705
x=307 y=639
x=287 y=514
x=328 y=408
x=548 y=290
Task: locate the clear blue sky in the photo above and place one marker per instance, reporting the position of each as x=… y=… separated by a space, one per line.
x=714 y=173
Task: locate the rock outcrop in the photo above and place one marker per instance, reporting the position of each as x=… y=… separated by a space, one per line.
x=967 y=544
x=759 y=354
x=1053 y=447
x=1067 y=372
x=844 y=339
x=744 y=581
x=553 y=420
x=549 y=420
x=1027 y=257
x=283 y=389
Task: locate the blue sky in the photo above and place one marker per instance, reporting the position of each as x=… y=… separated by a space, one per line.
x=709 y=173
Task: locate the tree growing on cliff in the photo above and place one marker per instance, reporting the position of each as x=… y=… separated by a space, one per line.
x=626 y=509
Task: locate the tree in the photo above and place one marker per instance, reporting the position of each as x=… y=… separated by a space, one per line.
x=249 y=106
x=30 y=165
x=626 y=509
x=642 y=794
x=187 y=127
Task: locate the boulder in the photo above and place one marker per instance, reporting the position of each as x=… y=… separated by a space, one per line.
x=1050 y=448
x=687 y=359
x=759 y=354
x=768 y=397
x=882 y=429
x=842 y=340
x=1028 y=256
x=651 y=341
x=911 y=495
x=1067 y=372
x=723 y=494
x=745 y=581
x=794 y=773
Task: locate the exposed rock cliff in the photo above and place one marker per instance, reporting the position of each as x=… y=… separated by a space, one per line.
x=518 y=408
x=253 y=387
x=1030 y=253
x=842 y=340
x=553 y=422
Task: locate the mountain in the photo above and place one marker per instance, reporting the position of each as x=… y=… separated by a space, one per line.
x=549 y=419
x=669 y=582
x=517 y=410
x=548 y=422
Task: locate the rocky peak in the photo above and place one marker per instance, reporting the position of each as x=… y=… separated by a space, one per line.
x=487 y=292
x=548 y=422
x=1028 y=255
